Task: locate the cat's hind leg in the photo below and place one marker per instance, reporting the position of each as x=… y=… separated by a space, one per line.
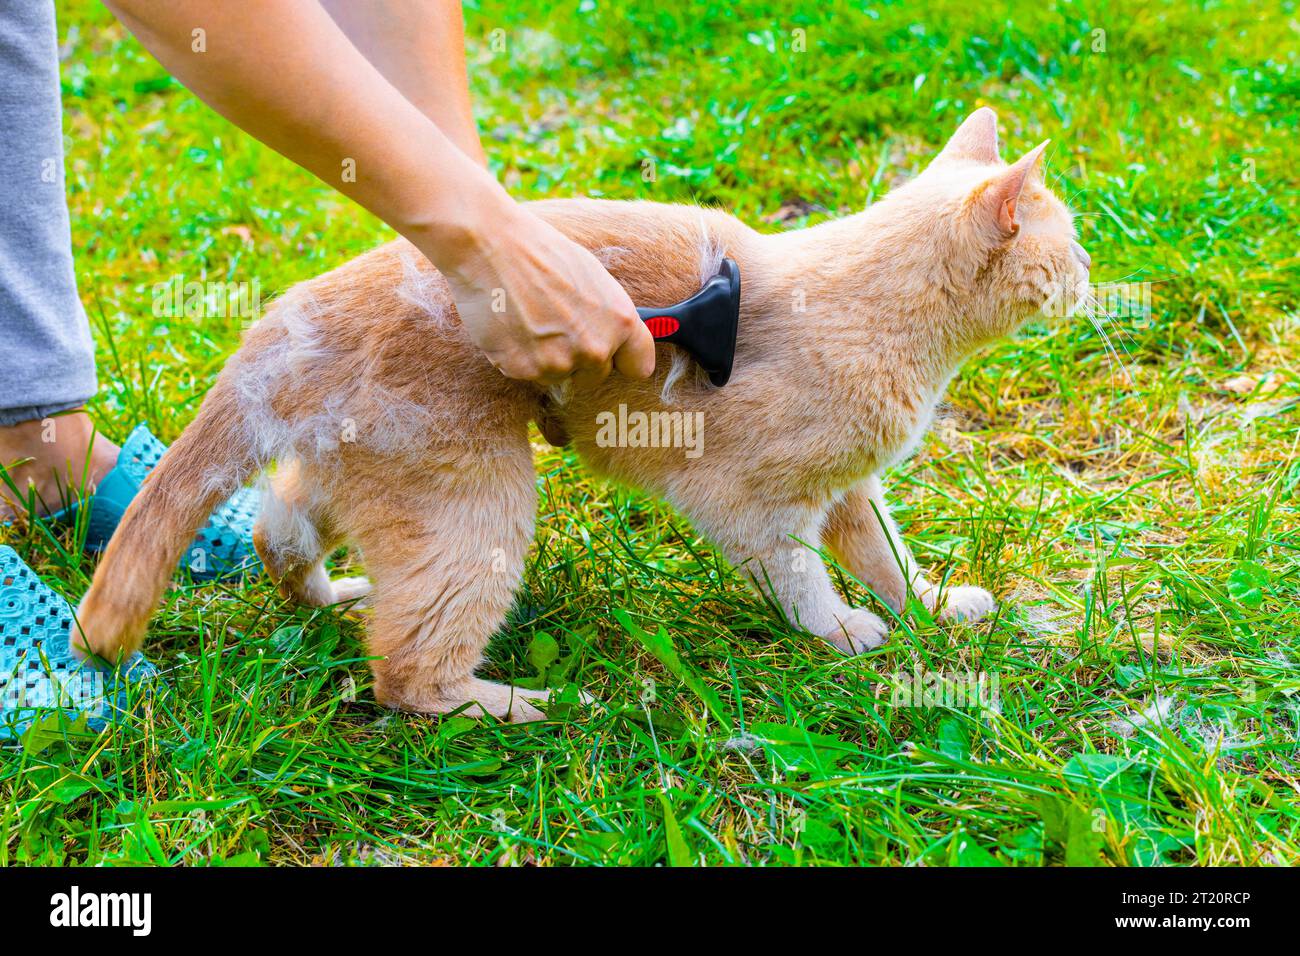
x=295 y=533
x=446 y=550
x=863 y=537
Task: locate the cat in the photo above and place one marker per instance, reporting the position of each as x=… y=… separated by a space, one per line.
x=389 y=429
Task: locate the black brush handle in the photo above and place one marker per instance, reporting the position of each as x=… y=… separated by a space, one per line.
x=705 y=324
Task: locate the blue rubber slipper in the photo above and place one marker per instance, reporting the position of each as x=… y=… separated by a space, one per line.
x=39 y=675
x=223 y=549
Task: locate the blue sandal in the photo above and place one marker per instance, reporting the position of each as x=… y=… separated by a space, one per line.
x=39 y=675
x=224 y=548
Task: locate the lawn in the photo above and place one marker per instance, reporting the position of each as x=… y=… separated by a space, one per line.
x=1128 y=491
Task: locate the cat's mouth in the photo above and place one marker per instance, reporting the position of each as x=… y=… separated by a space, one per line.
x=1081 y=254
x=1064 y=297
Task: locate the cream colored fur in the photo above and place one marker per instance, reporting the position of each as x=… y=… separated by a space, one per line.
x=393 y=432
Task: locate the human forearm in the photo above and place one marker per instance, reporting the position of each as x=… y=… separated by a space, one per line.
x=284 y=71
x=419 y=47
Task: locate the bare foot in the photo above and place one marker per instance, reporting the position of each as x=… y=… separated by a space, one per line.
x=47 y=458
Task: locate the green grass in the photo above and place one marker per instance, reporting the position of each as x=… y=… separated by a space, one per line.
x=1137 y=519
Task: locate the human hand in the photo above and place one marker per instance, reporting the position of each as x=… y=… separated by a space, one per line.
x=541 y=307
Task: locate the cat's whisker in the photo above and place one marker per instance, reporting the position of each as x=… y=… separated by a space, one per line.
x=1089 y=308
x=1093 y=310
x=1123 y=278
x=1097 y=303
x=1112 y=358
x=1111 y=320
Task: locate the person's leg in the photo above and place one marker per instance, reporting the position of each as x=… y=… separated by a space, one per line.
x=419 y=47
x=45 y=349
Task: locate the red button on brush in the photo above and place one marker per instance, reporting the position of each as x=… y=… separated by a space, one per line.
x=661 y=326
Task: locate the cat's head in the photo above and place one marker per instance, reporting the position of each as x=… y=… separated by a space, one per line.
x=1008 y=243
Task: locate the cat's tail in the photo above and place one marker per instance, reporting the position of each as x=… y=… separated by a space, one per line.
x=212 y=458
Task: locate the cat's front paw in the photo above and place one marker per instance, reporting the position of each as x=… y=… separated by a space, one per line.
x=857 y=632
x=966 y=604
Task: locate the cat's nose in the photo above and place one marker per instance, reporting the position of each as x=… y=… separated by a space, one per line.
x=1081 y=254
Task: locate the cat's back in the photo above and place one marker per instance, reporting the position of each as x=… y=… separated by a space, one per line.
x=659 y=253
x=377 y=342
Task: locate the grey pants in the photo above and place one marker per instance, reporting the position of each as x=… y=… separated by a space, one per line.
x=47 y=363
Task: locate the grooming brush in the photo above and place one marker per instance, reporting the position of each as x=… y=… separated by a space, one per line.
x=704 y=325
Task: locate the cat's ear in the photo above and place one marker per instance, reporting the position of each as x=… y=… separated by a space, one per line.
x=998 y=197
x=976 y=140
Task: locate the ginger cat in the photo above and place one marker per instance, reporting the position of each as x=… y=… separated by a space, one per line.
x=392 y=431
